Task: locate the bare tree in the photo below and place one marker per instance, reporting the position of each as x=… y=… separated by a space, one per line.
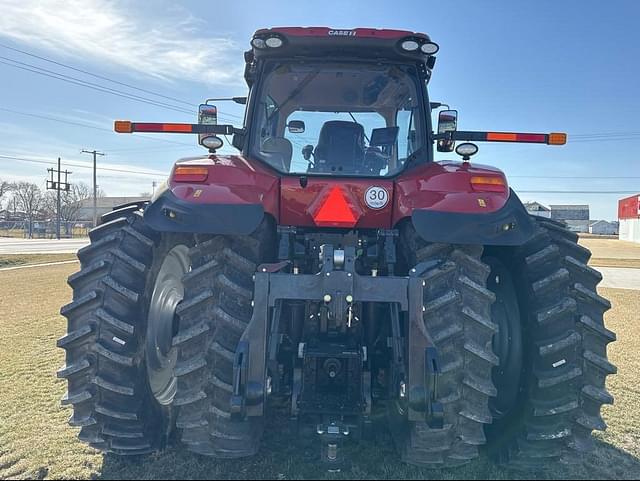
x=71 y=203
x=30 y=200
x=5 y=187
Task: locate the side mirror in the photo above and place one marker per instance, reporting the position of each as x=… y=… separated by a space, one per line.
x=296 y=126
x=447 y=122
x=307 y=151
x=208 y=115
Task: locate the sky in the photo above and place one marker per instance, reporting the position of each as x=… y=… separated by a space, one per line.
x=544 y=66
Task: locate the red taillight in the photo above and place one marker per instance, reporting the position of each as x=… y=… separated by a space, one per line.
x=488 y=184
x=335 y=211
x=190 y=174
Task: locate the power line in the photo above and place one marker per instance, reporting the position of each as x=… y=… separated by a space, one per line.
x=98 y=87
x=58 y=186
x=90 y=85
x=95 y=154
x=79 y=124
x=613 y=139
x=108 y=79
x=617 y=192
x=110 y=169
x=98 y=76
x=552 y=177
x=606 y=133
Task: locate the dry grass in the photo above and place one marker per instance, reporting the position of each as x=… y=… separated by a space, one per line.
x=612 y=252
x=14 y=260
x=35 y=441
x=13 y=233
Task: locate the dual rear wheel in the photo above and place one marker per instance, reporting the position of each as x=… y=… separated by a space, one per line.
x=520 y=333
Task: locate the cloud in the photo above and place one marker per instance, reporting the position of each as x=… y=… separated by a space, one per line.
x=112 y=33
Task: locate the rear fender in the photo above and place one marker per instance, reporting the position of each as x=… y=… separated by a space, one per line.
x=232 y=201
x=444 y=207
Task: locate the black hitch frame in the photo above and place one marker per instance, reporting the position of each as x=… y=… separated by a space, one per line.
x=336 y=289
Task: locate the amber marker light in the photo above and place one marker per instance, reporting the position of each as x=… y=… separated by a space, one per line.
x=123 y=126
x=488 y=184
x=188 y=173
x=557 y=138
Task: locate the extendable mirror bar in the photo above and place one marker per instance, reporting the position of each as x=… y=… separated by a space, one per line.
x=127 y=127
x=555 y=138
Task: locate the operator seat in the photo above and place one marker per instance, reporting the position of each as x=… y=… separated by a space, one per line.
x=340 y=147
x=278 y=152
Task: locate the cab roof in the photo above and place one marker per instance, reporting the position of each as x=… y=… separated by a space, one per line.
x=323 y=32
x=332 y=42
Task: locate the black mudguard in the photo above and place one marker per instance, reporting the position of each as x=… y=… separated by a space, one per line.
x=510 y=226
x=168 y=213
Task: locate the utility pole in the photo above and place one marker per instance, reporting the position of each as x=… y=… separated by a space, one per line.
x=59 y=186
x=154 y=184
x=95 y=153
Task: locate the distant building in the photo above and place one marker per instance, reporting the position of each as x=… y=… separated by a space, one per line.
x=629 y=215
x=603 y=227
x=535 y=208
x=575 y=216
x=105 y=204
x=11 y=215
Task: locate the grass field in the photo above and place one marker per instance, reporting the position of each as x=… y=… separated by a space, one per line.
x=36 y=442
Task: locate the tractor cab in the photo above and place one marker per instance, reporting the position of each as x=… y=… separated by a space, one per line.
x=338 y=102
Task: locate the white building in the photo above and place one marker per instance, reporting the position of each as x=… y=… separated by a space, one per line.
x=575 y=216
x=629 y=215
x=603 y=227
x=105 y=204
x=535 y=208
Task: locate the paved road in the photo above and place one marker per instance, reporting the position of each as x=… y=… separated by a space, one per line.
x=620 y=277
x=41 y=246
x=614 y=277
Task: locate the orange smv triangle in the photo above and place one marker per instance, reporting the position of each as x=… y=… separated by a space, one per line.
x=335 y=211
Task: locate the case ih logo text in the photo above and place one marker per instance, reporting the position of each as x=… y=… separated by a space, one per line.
x=342 y=33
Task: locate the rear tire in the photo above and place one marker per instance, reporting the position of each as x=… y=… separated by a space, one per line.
x=565 y=364
x=457 y=316
x=107 y=348
x=215 y=313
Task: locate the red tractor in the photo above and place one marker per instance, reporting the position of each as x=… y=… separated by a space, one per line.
x=331 y=271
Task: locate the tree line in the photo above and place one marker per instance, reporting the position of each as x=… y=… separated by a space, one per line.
x=34 y=204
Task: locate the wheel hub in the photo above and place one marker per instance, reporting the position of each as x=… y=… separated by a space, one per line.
x=507 y=344
x=161 y=357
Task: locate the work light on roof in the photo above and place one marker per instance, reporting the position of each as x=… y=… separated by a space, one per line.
x=410 y=45
x=273 y=41
x=258 y=42
x=415 y=44
x=430 y=48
